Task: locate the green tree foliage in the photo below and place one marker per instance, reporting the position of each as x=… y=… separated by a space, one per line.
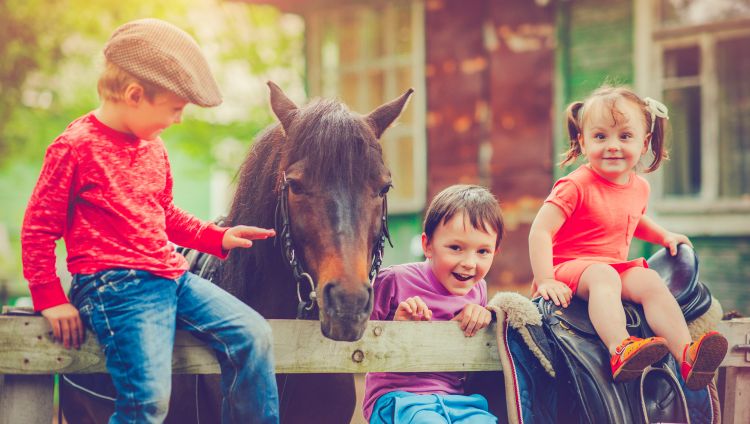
x=52 y=54
x=26 y=46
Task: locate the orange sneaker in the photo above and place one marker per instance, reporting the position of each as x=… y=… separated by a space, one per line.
x=701 y=358
x=634 y=355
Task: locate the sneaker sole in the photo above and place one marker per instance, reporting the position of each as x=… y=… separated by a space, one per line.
x=710 y=354
x=634 y=366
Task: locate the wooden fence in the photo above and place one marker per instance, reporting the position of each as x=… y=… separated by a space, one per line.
x=29 y=358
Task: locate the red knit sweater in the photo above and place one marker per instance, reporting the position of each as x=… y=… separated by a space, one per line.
x=109 y=196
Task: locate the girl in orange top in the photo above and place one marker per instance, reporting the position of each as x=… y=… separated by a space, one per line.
x=579 y=240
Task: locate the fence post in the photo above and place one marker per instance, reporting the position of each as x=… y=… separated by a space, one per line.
x=26 y=399
x=736 y=409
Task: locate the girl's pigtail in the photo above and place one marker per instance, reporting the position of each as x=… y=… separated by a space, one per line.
x=658 y=148
x=574 y=129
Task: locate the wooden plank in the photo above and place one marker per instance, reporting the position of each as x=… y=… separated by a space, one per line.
x=26 y=347
x=735 y=378
x=26 y=399
x=736 y=402
x=736 y=331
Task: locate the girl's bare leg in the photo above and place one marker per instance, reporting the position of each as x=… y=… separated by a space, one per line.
x=645 y=287
x=600 y=285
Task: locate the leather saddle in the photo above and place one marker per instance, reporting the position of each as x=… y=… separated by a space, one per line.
x=586 y=392
x=680 y=274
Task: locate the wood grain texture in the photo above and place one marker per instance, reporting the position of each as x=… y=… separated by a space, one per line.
x=26 y=347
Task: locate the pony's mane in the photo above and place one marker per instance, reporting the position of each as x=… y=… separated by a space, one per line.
x=339 y=149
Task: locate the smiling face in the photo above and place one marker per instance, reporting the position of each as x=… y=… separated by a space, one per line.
x=459 y=253
x=148 y=118
x=613 y=138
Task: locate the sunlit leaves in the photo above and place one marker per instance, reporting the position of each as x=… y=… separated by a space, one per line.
x=51 y=54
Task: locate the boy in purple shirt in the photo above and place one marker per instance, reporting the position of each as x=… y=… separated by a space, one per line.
x=462 y=231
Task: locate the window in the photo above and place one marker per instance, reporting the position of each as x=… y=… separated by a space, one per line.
x=368 y=54
x=693 y=54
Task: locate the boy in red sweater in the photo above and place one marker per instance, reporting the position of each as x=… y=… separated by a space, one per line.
x=106 y=189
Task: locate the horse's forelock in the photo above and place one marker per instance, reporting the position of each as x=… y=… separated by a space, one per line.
x=337 y=144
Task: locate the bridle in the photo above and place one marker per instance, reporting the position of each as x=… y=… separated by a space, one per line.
x=306 y=309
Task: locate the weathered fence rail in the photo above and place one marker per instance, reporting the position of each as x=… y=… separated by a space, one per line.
x=26 y=348
x=29 y=358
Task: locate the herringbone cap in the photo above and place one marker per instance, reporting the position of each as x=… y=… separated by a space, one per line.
x=162 y=54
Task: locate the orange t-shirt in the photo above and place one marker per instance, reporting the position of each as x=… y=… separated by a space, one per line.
x=601 y=215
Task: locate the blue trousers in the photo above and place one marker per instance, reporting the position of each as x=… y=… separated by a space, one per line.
x=409 y=408
x=134 y=315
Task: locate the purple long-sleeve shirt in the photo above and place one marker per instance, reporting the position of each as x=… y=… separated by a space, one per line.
x=395 y=284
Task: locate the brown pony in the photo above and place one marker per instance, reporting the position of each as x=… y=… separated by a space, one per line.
x=319 y=178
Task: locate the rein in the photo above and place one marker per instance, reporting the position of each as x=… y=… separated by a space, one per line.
x=306 y=309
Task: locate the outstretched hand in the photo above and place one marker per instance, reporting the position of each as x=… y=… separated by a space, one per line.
x=413 y=309
x=671 y=240
x=242 y=236
x=558 y=292
x=473 y=318
x=67 y=327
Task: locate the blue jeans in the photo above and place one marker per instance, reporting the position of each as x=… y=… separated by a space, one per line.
x=401 y=407
x=134 y=315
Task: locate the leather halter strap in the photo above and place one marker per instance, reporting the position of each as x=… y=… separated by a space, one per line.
x=306 y=308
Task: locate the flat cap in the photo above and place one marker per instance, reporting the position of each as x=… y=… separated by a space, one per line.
x=162 y=54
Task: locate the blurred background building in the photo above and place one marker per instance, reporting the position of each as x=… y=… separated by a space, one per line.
x=492 y=79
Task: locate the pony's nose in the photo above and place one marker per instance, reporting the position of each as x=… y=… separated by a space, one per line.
x=339 y=300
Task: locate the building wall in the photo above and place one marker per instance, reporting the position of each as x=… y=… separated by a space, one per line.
x=725 y=269
x=457 y=72
x=498 y=77
x=522 y=90
x=595 y=47
x=598 y=43
x=490 y=68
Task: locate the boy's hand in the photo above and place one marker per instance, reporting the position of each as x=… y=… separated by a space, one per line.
x=241 y=236
x=671 y=240
x=473 y=318
x=412 y=309
x=557 y=291
x=66 y=324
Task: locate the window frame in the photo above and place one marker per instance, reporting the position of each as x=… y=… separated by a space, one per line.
x=706 y=214
x=388 y=64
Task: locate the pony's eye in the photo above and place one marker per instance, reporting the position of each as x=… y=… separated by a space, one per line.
x=295 y=186
x=385 y=189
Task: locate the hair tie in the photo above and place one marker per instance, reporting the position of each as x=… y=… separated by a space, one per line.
x=656 y=109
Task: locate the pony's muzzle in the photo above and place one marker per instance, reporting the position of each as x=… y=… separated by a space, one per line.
x=344 y=312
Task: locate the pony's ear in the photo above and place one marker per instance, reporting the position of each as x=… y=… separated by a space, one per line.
x=382 y=117
x=282 y=107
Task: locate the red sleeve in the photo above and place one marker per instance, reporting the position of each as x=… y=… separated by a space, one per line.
x=45 y=222
x=565 y=195
x=185 y=229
